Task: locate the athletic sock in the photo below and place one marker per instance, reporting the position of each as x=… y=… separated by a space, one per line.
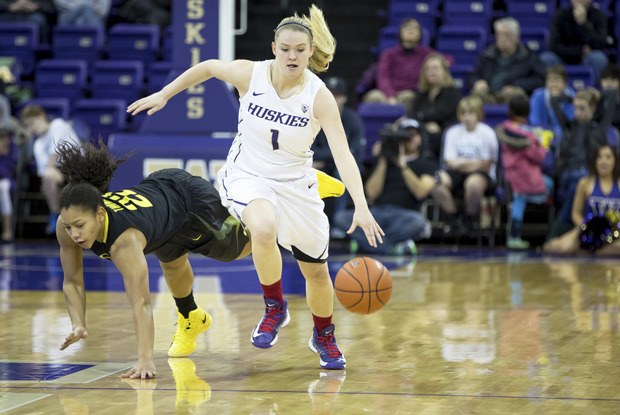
x=186 y=304
x=274 y=291
x=321 y=322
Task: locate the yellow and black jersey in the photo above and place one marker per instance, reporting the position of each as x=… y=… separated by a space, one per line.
x=177 y=213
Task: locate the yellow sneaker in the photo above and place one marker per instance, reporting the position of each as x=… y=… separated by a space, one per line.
x=329 y=186
x=191 y=390
x=184 y=341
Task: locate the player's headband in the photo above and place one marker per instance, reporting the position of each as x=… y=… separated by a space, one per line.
x=296 y=23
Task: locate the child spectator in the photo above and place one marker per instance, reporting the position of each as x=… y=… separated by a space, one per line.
x=522 y=158
x=48 y=135
x=541 y=113
x=470 y=153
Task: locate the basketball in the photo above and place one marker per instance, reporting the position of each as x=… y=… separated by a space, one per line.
x=363 y=285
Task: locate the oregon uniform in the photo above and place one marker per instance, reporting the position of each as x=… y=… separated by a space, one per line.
x=177 y=213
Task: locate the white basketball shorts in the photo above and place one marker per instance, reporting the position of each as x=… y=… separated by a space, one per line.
x=302 y=226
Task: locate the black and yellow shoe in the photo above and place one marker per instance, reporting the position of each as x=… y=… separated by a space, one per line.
x=184 y=342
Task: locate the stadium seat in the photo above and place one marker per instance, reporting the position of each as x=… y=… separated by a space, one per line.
x=166 y=45
x=536 y=38
x=118 y=80
x=61 y=78
x=77 y=42
x=472 y=12
x=537 y=13
x=375 y=117
x=158 y=73
x=602 y=5
x=21 y=40
x=425 y=12
x=460 y=73
x=495 y=114
x=54 y=107
x=134 y=42
x=103 y=116
x=580 y=76
x=463 y=42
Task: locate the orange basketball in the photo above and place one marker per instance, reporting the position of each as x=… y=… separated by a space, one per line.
x=363 y=285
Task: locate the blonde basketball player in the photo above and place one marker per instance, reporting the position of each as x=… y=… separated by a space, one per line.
x=267 y=181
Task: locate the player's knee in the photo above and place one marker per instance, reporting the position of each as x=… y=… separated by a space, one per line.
x=263 y=233
x=315 y=271
x=175 y=267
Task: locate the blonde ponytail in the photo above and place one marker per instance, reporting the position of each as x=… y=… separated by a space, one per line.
x=316 y=27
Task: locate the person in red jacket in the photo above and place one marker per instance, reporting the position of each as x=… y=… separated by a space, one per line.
x=522 y=159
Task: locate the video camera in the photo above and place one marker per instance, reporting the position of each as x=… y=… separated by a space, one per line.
x=390 y=142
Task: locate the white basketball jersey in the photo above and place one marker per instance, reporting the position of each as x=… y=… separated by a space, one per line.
x=274 y=135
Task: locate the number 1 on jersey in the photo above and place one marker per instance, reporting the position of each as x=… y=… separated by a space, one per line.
x=274 y=139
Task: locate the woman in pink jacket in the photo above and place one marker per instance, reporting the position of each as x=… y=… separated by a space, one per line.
x=522 y=159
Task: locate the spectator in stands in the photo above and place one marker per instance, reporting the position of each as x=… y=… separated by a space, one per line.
x=397 y=185
x=8 y=122
x=8 y=163
x=398 y=72
x=37 y=11
x=323 y=159
x=146 y=12
x=580 y=137
x=522 y=158
x=542 y=114
x=48 y=135
x=610 y=81
x=435 y=104
x=507 y=66
x=595 y=209
x=83 y=12
x=578 y=36
x=470 y=153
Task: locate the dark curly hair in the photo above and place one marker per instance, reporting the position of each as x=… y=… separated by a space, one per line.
x=88 y=170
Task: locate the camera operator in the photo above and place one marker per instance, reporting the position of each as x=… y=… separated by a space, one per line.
x=398 y=184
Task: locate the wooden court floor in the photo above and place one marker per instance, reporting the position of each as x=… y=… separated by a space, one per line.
x=464 y=333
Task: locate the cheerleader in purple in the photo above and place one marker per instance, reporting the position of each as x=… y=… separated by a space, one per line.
x=596 y=210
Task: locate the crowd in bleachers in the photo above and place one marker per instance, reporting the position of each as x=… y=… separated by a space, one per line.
x=513 y=97
x=491 y=103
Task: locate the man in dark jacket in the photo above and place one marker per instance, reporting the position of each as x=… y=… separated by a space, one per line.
x=506 y=67
x=356 y=135
x=578 y=36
